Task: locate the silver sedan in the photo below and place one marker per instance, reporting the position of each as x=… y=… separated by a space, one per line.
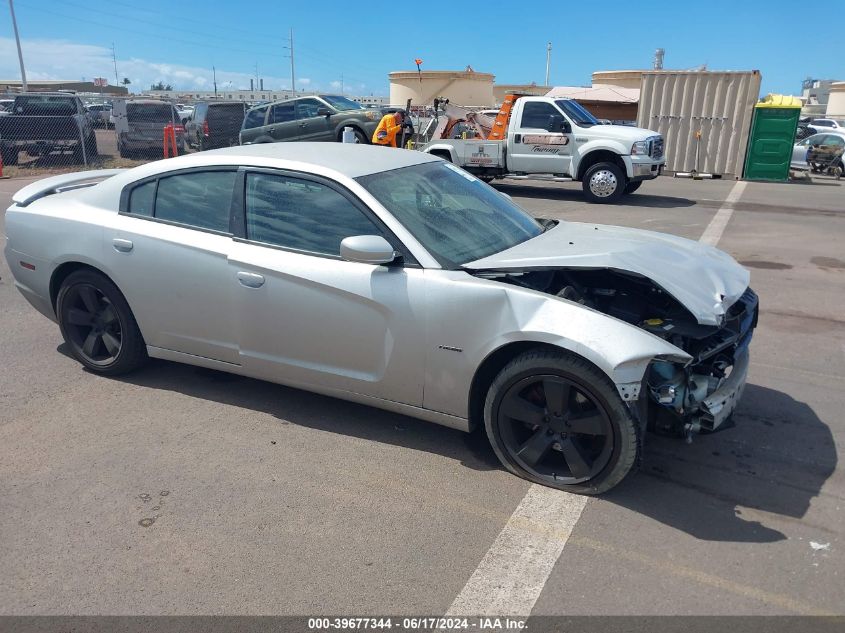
x=393 y=278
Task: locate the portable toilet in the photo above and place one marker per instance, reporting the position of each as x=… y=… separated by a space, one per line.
x=772 y=138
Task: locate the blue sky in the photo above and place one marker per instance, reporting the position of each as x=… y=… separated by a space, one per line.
x=178 y=41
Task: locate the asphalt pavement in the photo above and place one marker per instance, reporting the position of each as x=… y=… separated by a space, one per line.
x=178 y=490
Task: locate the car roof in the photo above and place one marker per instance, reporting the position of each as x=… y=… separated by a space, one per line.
x=333 y=160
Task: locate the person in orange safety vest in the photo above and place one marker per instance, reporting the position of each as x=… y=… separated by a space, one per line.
x=389 y=128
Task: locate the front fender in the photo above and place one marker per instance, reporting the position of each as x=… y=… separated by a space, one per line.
x=503 y=314
x=607 y=145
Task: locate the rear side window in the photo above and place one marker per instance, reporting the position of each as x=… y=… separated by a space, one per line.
x=200 y=199
x=282 y=113
x=301 y=214
x=141 y=199
x=255 y=118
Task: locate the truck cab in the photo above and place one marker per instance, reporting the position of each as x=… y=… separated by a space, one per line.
x=557 y=139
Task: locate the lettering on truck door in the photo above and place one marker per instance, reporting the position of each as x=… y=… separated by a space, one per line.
x=541 y=147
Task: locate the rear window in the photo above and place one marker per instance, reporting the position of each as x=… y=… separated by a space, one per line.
x=153 y=112
x=45 y=106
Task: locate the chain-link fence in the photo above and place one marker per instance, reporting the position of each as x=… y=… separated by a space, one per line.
x=50 y=132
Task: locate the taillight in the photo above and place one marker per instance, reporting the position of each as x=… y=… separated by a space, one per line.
x=179 y=129
x=205 y=128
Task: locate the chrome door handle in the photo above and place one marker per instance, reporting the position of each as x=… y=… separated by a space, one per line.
x=122 y=246
x=250 y=280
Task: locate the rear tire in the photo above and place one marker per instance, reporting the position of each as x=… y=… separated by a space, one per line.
x=603 y=183
x=554 y=419
x=98 y=325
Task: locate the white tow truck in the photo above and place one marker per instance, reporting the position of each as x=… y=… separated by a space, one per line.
x=544 y=138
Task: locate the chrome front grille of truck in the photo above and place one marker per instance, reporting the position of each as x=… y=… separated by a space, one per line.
x=657 y=147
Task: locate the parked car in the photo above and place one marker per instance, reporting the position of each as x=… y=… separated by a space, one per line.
x=819 y=148
x=315 y=118
x=215 y=124
x=99 y=113
x=42 y=123
x=139 y=125
x=399 y=280
x=6 y=105
x=826 y=125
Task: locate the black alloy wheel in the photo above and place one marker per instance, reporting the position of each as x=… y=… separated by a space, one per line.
x=97 y=324
x=92 y=324
x=557 y=420
x=555 y=429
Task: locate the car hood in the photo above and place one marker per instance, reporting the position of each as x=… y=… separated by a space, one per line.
x=622 y=133
x=704 y=279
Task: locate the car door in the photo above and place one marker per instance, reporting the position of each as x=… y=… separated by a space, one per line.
x=831 y=144
x=167 y=251
x=313 y=126
x=534 y=146
x=307 y=317
x=799 y=151
x=282 y=122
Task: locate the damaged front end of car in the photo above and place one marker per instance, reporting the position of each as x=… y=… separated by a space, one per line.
x=674 y=398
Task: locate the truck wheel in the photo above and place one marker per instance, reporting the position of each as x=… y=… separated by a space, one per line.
x=603 y=183
x=556 y=420
x=9 y=155
x=631 y=187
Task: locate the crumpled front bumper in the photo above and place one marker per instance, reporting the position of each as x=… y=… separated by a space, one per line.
x=719 y=405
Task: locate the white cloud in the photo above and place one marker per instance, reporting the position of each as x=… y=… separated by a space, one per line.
x=62 y=59
x=336 y=84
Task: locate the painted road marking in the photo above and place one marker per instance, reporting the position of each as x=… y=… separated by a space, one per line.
x=713 y=233
x=514 y=570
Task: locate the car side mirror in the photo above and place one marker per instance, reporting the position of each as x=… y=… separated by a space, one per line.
x=367 y=249
x=324 y=112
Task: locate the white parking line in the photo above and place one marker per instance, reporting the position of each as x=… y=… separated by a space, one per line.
x=512 y=574
x=713 y=233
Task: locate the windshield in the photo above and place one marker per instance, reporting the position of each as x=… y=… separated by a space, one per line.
x=576 y=112
x=342 y=104
x=455 y=216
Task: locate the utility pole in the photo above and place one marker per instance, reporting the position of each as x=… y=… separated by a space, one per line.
x=18 y=42
x=114 y=60
x=214 y=75
x=548 y=61
x=292 y=73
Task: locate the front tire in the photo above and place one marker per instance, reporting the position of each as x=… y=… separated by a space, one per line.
x=554 y=419
x=98 y=325
x=631 y=187
x=603 y=183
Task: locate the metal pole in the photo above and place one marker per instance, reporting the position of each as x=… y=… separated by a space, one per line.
x=292 y=74
x=18 y=42
x=114 y=60
x=214 y=74
x=548 y=61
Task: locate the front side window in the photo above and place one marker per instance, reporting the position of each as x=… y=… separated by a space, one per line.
x=834 y=140
x=536 y=115
x=200 y=199
x=455 y=216
x=822 y=123
x=307 y=108
x=255 y=118
x=301 y=214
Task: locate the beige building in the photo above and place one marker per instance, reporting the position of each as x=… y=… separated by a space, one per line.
x=620 y=78
x=500 y=91
x=461 y=87
x=836 y=100
x=15 y=85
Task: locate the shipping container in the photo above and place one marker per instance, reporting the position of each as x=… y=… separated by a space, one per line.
x=704 y=116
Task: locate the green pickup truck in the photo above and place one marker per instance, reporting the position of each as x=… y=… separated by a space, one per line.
x=313 y=118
